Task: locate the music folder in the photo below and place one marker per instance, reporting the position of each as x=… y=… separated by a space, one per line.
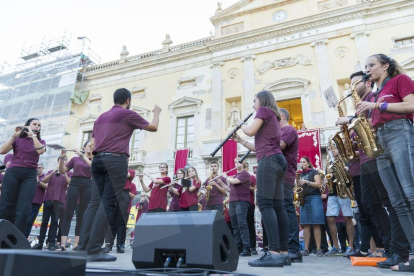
x=186 y=183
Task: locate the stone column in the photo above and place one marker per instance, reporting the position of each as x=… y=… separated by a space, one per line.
x=248 y=84
x=361 y=42
x=325 y=80
x=217 y=122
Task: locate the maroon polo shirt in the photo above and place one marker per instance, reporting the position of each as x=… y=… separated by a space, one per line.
x=267 y=138
x=253 y=184
x=290 y=136
x=8 y=158
x=56 y=187
x=174 y=203
x=113 y=129
x=129 y=183
x=24 y=153
x=132 y=190
x=241 y=191
x=80 y=168
x=188 y=198
x=40 y=192
x=158 y=198
x=216 y=197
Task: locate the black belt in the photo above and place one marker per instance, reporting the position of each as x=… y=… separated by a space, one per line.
x=111 y=153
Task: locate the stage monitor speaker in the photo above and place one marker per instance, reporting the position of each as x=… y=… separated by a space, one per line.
x=195 y=239
x=41 y=263
x=11 y=237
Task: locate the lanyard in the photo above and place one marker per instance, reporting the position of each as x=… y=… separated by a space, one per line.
x=377 y=94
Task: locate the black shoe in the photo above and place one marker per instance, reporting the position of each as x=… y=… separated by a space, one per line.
x=100 y=257
x=394 y=259
x=120 y=249
x=245 y=253
x=52 y=246
x=107 y=248
x=295 y=257
x=268 y=260
x=357 y=253
x=254 y=251
x=286 y=259
x=38 y=246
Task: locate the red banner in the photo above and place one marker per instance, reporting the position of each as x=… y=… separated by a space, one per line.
x=180 y=159
x=310 y=146
x=229 y=153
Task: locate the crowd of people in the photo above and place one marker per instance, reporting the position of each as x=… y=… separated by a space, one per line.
x=97 y=185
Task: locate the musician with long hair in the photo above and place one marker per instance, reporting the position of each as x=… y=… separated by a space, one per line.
x=158 y=198
x=392 y=110
x=218 y=187
x=174 y=203
x=19 y=181
x=271 y=169
x=250 y=213
x=189 y=196
x=80 y=188
x=311 y=213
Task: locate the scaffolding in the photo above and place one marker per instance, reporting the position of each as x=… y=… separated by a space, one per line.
x=41 y=85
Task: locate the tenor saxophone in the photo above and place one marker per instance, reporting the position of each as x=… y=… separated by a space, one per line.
x=365 y=135
x=298 y=198
x=344 y=144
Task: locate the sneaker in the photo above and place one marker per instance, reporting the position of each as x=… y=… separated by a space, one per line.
x=46 y=246
x=349 y=251
x=313 y=251
x=305 y=252
x=254 y=251
x=357 y=253
x=286 y=259
x=333 y=252
x=245 y=253
x=268 y=260
x=319 y=253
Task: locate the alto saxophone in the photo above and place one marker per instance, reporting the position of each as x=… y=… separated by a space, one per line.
x=366 y=136
x=329 y=176
x=298 y=198
x=344 y=144
x=323 y=187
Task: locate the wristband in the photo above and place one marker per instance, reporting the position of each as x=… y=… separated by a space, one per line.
x=383 y=106
x=40 y=147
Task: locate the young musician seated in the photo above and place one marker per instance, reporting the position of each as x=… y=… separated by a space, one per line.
x=158 y=198
x=189 y=196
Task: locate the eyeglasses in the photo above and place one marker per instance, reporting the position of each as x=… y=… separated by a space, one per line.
x=163 y=167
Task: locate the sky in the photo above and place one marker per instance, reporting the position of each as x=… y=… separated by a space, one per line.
x=140 y=25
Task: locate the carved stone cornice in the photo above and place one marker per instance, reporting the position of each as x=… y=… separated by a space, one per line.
x=362 y=33
x=319 y=42
x=217 y=64
x=243 y=59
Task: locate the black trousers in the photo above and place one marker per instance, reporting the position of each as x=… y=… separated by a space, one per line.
x=388 y=225
x=121 y=219
x=51 y=210
x=238 y=214
x=342 y=235
x=32 y=218
x=230 y=227
x=251 y=226
x=191 y=208
x=293 y=245
x=18 y=189
x=218 y=207
x=109 y=174
x=79 y=188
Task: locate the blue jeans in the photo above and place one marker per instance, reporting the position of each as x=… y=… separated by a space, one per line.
x=294 y=245
x=109 y=174
x=270 y=196
x=238 y=214
x=396 y=168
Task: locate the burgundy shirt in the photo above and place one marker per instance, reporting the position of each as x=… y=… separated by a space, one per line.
x=57 y=186
x=40 y=192
x=203 y=202
x=24 y=153
x=174 y=204
x=8 y=158
x=158 y=198
x=267 y=138
x=113 y=130
x=241 y=191
x=80 y=168
x=290 y=136
x=188 y=198
x=132 y=190
x=226 y=215
x=129 y=183
x=216 y=197
x=253 y=183
x=394 y=91
x=143 y=210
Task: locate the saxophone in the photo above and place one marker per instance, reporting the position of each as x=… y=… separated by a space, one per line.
x=298 y=198
x=344 y=144
x=366 y=136
x=329 y=176
x=323 y=187
x=209 y=187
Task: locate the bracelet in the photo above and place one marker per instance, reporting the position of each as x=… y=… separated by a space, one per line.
x=40 y=147
x=383 y=106
x=13 y=137
x=377 y=105
x=245 y=143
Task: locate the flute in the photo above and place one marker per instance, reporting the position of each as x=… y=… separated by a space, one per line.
x=230 y=135
x=26 y=129
x=148 y=173
x=173 y=182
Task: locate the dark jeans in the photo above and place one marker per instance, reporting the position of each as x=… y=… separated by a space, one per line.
x=51 y=210
x=270 y=197
x=230 y=227
x=294 y=246
x=238 y=214
x=121 y=220
x=109 y=174
x=396 y=168
x=157 y=210
x=251 y=226
x=18 y=189
x=32 y=218
x=342 y=235
x=191 y=208
x=388 y=225
x=218 y=207
x=79 y=188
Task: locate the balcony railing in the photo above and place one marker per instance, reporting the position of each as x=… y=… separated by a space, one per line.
x=137 y=157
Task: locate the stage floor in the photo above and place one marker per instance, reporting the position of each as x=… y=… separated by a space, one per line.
x=311 y=265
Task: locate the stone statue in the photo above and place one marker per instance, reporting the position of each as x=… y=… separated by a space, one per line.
x=219 y=6
x=166 y=44
x=124 y=52
x=234 y=115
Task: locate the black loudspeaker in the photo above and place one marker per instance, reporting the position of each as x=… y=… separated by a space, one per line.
x=41 y=263
x=187 y=239
x=11 y=237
